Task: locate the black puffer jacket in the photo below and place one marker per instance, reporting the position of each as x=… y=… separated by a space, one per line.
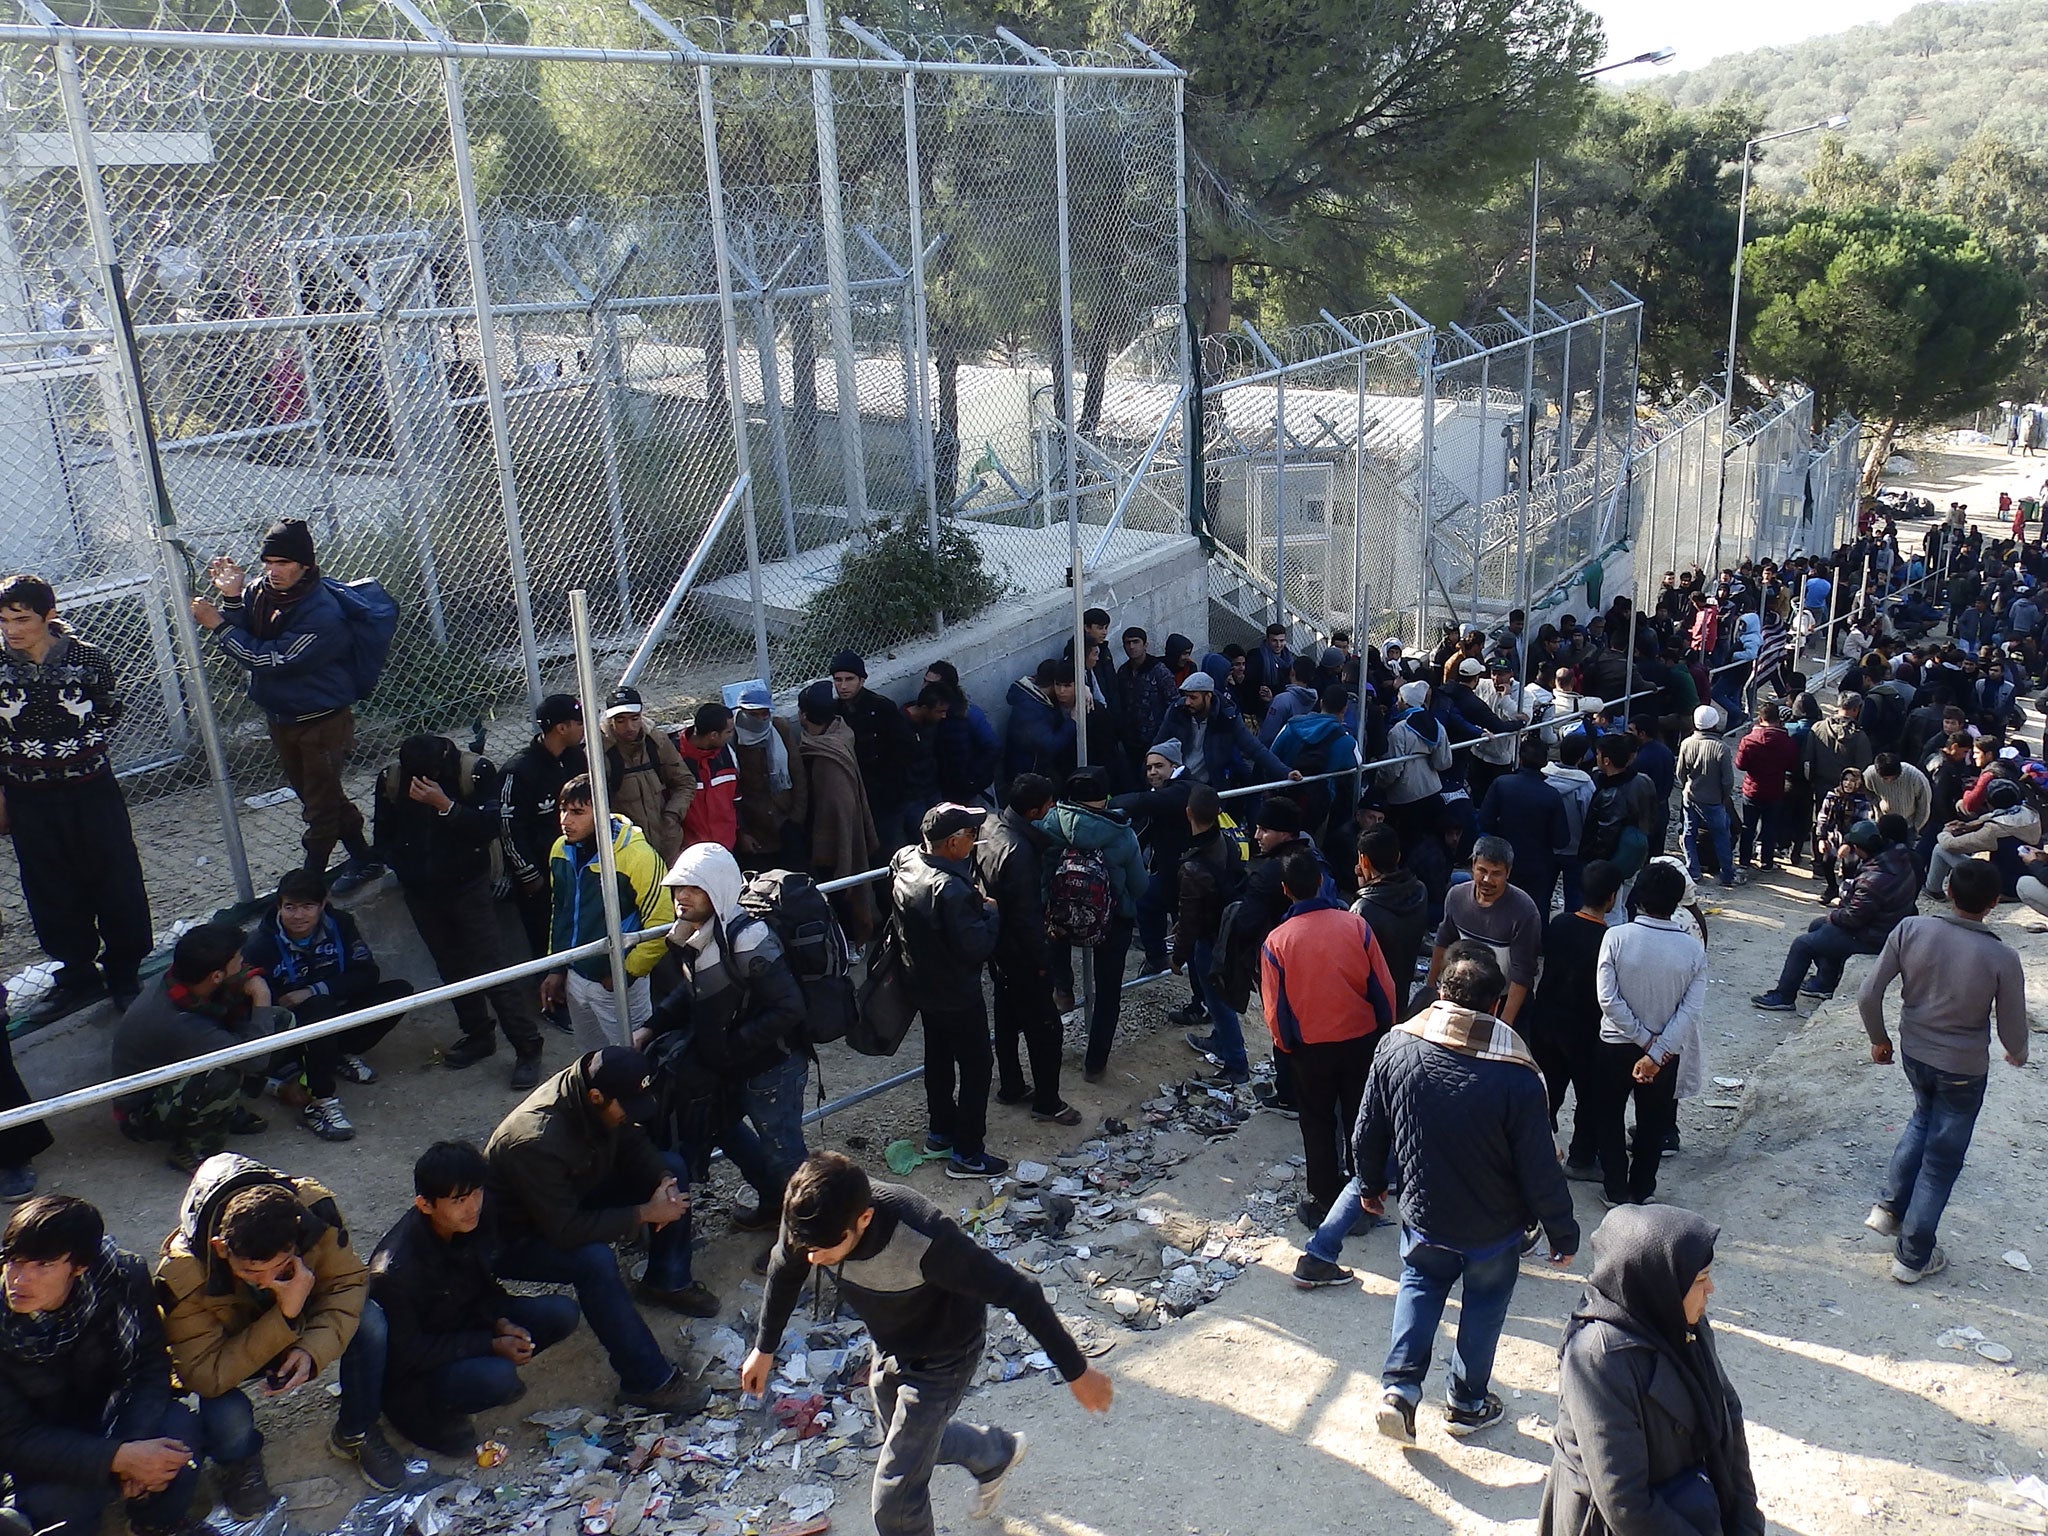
x=1880 y=895
x=948 y=931
x=1471 y=1142
x=1010 y=861
x=1396 y=908
x=62 y=1419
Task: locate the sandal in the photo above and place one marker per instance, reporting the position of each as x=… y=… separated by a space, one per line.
x=1066 y=1114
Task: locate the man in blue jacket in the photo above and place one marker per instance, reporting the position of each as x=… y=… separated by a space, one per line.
x=290 y=635
x=1321 y=743
x=1457 y=1103
x=1525 y=809
x=1216 y=747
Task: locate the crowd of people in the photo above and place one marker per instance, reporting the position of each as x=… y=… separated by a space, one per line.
x=1483 y=926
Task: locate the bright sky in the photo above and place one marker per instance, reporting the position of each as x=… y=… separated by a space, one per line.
x=1704 y=32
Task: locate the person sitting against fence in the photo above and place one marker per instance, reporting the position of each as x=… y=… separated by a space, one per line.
x=457 y=1337
x=728 y=1045
x=260 y=1284
x=208 y=1000
x=81 y=876
x=645 y=775
x=86 y=1411
x=575 y=876
x=573 y=1173
x=316 y=962
x=291 y=635
x=841 y=829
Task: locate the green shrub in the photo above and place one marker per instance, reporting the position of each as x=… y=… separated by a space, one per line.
x=889 y=591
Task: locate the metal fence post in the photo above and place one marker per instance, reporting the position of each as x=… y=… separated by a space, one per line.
x=487 y=341
x=839 y=304
x=721 y=251
x=1070 y=455
x=1425 y=359
x=601 y=811
x=93 y=192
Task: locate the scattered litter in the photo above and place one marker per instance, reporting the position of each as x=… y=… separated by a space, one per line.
x=807 y=1500
x=903 y=1157
x=284 y=795
x=1997 y=1354
x=2016 y=1519
x=2018 y=1260
x=1728 y=1082
x=1958 y=1338
x=1028 y=1172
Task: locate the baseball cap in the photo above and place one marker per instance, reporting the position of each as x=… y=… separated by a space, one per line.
x=943 y=821
x=1471 y=666
x=1199 y=682
x=623 y=701
x=625 y=1075
x=1501 y=664
x=753 y=695
x=558 y=709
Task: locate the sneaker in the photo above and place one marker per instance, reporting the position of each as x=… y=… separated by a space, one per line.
x=986 y=1166
x=1149 y=970
x=1200 y=1043
x=353 y=876
x=1583 y=1173
x=1737 y=878
x=61 y=1001
x=1312 y=1273
x=934 y=1142
x=1671 y=1147
x=1188 y=1016
x=246 y=1122
x=1469 y=1421
x=326 y=1119
x=693 y=1300
x=755 y=1218
x=525 y=1074
x=1223 y=1077
x=1810 y=990
x=676 y=1397
x=17 y=1184
x=185 y=1160
x=1611 y=1201
x=1882 y=1222
x=243 y=1487
x=1093 y=1074
x=382 y=1467
x=558 y=1018
x=355 y=1070
x=1269 y=1098
x=988 y=1492
x=1010 y=1098
x=1937 y=1261
x=1396 y=1417
x=1066 y=1114
x=468 y=1051
x=1306 y=1213
x=1770 y=1002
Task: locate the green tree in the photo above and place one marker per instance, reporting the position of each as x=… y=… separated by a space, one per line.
x=1320 y=131
x=1904 y=318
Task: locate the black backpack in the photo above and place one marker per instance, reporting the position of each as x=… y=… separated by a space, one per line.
x=797 y=913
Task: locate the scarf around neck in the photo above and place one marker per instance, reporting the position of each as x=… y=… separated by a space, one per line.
x=269 y=609
x=37 y=1338
x=765 y=735
x=1470 y=1033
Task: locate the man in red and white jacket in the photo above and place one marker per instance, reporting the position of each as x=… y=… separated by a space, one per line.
x=1328 y=997
x=706 y=749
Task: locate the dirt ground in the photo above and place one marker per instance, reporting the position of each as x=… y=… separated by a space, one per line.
x=1253 y=1413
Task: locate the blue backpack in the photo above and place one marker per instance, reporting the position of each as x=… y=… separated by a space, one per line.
x=372 y=615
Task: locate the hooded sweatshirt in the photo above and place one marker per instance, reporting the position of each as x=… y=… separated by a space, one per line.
x=1416 y=736
x=742 y=1006
x=1079 y=826
x=222 y=1331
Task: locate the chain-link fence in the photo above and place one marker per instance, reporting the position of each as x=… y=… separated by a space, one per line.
x=477 y=304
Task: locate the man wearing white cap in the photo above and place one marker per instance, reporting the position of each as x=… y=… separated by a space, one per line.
x=649 y=785
x=1706 y=779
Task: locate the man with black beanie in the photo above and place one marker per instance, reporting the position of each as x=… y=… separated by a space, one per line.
x=886 y=745
x=290 y=635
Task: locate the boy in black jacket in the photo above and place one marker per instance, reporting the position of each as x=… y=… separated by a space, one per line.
x=86 y=1411
x=1564 y=1015
x=923 y=1287
x=1211 y=876
x=457 y=1337
x=317 y=963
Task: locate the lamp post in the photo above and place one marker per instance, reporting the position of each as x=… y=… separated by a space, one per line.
x=1654 y=56
x=1839 y=120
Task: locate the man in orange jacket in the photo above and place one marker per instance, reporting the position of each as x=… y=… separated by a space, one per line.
x=1328 y=997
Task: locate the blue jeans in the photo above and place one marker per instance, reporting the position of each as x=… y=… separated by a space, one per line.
x=768 y=1142
x=1929 y=1155
x=426 y=1403
x=227 y=1424
x=1427 y=1274
x=1345 y=1210
x=1713 y=820
x=1823 y=949
x=1226 y=1030
x=73 y=1509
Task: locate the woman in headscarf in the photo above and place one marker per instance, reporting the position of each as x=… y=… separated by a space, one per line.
x=1649 y=1436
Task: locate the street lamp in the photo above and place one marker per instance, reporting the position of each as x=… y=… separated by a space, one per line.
x=1654 y=56
x=1839 y=120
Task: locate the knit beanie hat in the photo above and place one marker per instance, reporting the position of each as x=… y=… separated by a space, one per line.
x=850 y=661
x=288 y=539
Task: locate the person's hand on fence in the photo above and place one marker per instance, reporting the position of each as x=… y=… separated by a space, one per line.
x=226 y=575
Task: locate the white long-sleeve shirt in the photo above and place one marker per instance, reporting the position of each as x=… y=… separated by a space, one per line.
x=1652 y=986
